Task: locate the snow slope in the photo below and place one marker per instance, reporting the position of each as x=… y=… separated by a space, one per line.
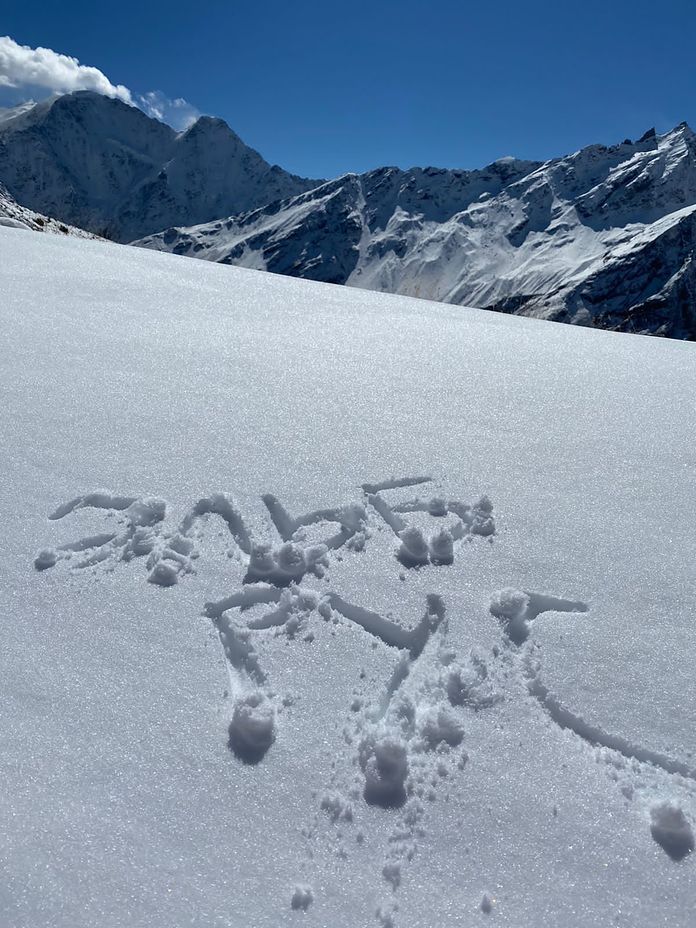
x=604 y=237
x=458 y=690
x=15 y=216
x=100 y=164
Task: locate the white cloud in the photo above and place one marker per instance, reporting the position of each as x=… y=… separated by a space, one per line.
x=22 y=66
x=33 y=71
x=178 y=113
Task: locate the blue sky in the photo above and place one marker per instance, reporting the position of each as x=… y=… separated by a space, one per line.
x=324 y=88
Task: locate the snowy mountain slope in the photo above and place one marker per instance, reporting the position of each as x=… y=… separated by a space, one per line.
x=13 y=215
x=98 y=163
x=323 y=234
x=603 y=237
x=334 y=607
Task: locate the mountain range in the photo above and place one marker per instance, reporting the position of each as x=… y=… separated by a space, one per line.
x=604 y=237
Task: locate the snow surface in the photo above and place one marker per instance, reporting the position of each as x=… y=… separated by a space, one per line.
x=416 y=648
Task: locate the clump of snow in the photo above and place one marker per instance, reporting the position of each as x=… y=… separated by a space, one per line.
x=437 y=506
x=357 y=542
x=386 y=915
x=391 y=872
x=164 y=573
x=147 y=511
x=470 y=684
x=285 y=564
x=438 y=726
x=441 y=548
x=483 y=522
x=261 y=560
x=384 y=762
x=302 y=897
x=413 y=551
x=316 y=559
x=337 y=807
x=672 y=830
x=143 y=542
x=291 y=560
x=180 y=545
x=47 y=557
x=402 y=709
x=252 y=729
x=290 y=615
x=510 y=606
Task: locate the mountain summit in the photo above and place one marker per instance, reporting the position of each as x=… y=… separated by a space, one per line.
x=101 y=164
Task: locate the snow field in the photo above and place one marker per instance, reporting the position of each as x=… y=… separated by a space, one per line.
x=305 y=725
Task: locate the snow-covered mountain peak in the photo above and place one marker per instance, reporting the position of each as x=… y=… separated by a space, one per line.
x=94 y=113
x=101 y=164
x=682 y=129
x=211 y=126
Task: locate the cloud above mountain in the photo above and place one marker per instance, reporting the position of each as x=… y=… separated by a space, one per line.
x=22 y=66
x=39 y=71
x=178 y=112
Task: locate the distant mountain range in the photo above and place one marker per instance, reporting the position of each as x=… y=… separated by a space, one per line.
x=604 y=237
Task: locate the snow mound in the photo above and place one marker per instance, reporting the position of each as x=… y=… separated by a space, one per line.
x=252 y=729
x=302 y=897
x=384 y=762
x=440 y=726
x=672 y=830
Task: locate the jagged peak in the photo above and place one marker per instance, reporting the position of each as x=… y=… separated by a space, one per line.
x=92 y=106
x=87 y=105
x=682 y=130
x=206 y=124
x=510 y=161
x=90 y=99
